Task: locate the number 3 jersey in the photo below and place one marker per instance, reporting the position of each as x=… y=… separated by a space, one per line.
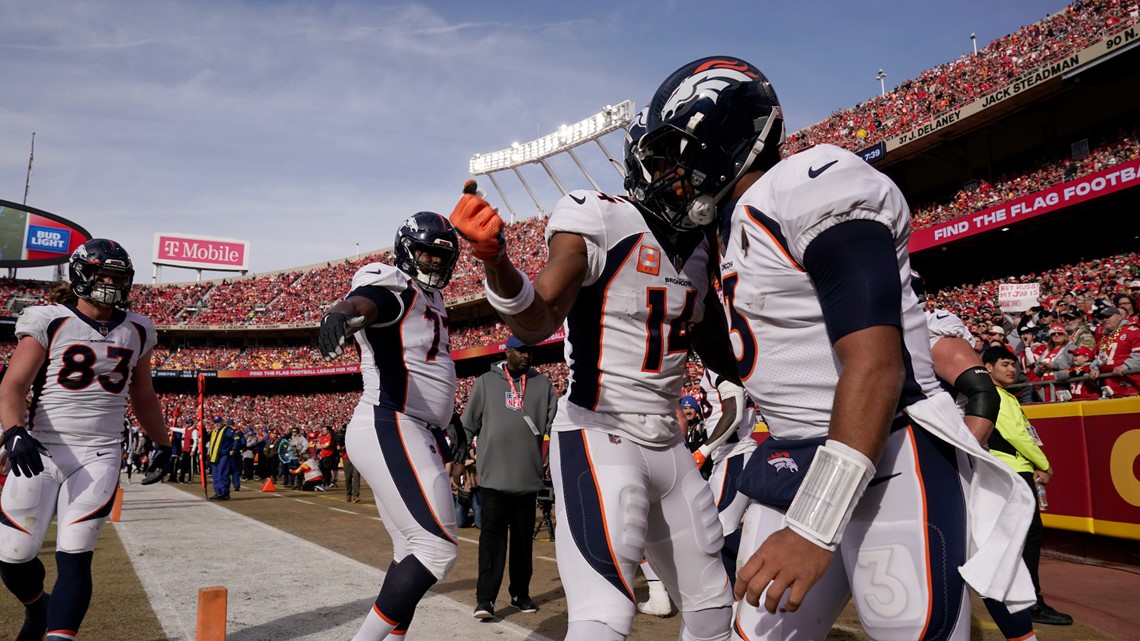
x=627 y=338
x=79 y=396
x=406 y=362
x=786 y=360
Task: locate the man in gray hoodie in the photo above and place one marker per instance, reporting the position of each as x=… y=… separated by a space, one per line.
x=509 y=411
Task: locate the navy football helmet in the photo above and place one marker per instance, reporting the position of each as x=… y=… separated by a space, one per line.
x=709 y=123
x=636 y=182
x=429 y=233
x=101 y=271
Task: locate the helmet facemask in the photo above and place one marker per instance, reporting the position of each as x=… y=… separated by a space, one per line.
x=101 y=278
x=432 y=275
x=686 y=179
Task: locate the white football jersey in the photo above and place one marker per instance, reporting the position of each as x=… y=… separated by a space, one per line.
x=942 y=324
x=627 y=335
x=712 y=410
x=406 y=363
x=80 y=395
x=786 y=360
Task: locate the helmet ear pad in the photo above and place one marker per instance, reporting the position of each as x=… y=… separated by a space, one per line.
x=432 y=234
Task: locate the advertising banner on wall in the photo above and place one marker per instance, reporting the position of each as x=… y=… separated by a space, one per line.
x=201 y=252
x=31 y=237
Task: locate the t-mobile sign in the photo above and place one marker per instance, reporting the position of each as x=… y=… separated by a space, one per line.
x=202 y=252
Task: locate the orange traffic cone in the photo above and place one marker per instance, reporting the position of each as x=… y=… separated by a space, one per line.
x=268 y=487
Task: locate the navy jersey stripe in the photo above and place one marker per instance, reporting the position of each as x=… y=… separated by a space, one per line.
x=403 y=472
x=584 y=512
x=393 y=372
x=41 y=376
x=142 y=334
x=945 y=530
x=773 y=229
x=733 y=467
x=584 y=328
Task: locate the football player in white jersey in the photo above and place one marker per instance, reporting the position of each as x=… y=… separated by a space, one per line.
x=395 y=435
x=729 y=450
x=81 y=359
x=632 y=291
x=859 y=489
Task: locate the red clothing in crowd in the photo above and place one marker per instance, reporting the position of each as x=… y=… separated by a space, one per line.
x=326 y=445
x=1113 y=349
x=1083 y=390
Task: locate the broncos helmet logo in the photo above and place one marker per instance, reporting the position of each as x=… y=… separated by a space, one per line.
x=707 y=81
x=783 y=461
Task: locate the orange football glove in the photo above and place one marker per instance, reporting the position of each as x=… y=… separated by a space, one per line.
x=699 y=459
x=480 y=224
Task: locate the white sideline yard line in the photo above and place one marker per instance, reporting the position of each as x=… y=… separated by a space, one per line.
x=337 y=509
x=171 y=577
x=546 y=558
x=304 y=501
x=463 y=538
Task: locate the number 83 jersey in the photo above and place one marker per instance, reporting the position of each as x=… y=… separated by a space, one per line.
x=79 y=396
x=627 y=338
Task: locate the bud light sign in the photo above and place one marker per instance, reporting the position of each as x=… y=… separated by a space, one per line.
x=49 y=239
x=201 y=252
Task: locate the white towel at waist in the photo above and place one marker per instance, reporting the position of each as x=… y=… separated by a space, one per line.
x=999 y=509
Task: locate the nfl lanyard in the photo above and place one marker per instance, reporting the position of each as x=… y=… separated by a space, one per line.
x=519 y=395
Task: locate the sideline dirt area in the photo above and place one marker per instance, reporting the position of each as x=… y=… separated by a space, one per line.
x=355 y=531
x=121 y=609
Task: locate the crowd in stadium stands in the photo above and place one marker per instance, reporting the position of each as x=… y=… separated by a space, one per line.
x=200 y=358
x=970 y=76
x=303 y=356
x=306 y=298
x=264 y=411
x=1121 y=148
x=528 y=252
x=477 y=335
x=1087 y=285
x=169 y=304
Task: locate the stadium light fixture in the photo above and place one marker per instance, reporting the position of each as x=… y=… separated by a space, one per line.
x=882 y=85
x=974 y=41
x=610 y=118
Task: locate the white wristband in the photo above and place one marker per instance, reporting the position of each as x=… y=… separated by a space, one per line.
x=516 y=304
x=832 y=487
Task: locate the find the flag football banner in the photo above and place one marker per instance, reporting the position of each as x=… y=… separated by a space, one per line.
x=31 y=237
x=1059 y=196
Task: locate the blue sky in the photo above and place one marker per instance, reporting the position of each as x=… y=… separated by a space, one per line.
x=309 y=127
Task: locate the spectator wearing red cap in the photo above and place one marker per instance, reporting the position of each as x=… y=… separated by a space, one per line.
x=1083 y=390
x=1118 y=352
x=1052 y=357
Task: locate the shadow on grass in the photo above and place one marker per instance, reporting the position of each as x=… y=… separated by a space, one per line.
x=301 y=624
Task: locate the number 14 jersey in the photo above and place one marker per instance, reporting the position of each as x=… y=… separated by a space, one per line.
x=627 y=334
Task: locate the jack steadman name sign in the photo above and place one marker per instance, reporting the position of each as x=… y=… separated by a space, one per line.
x=1053 y=69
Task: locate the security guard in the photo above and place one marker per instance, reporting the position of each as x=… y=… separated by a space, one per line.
x=223 y=457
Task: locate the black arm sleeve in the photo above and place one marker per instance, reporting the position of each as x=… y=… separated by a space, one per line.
x=389 y=307
x=856 y=274
x=982 y=398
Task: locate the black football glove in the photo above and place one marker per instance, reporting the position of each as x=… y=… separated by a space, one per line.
x=23 y=451
x=330 y=341
x=158 y=464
